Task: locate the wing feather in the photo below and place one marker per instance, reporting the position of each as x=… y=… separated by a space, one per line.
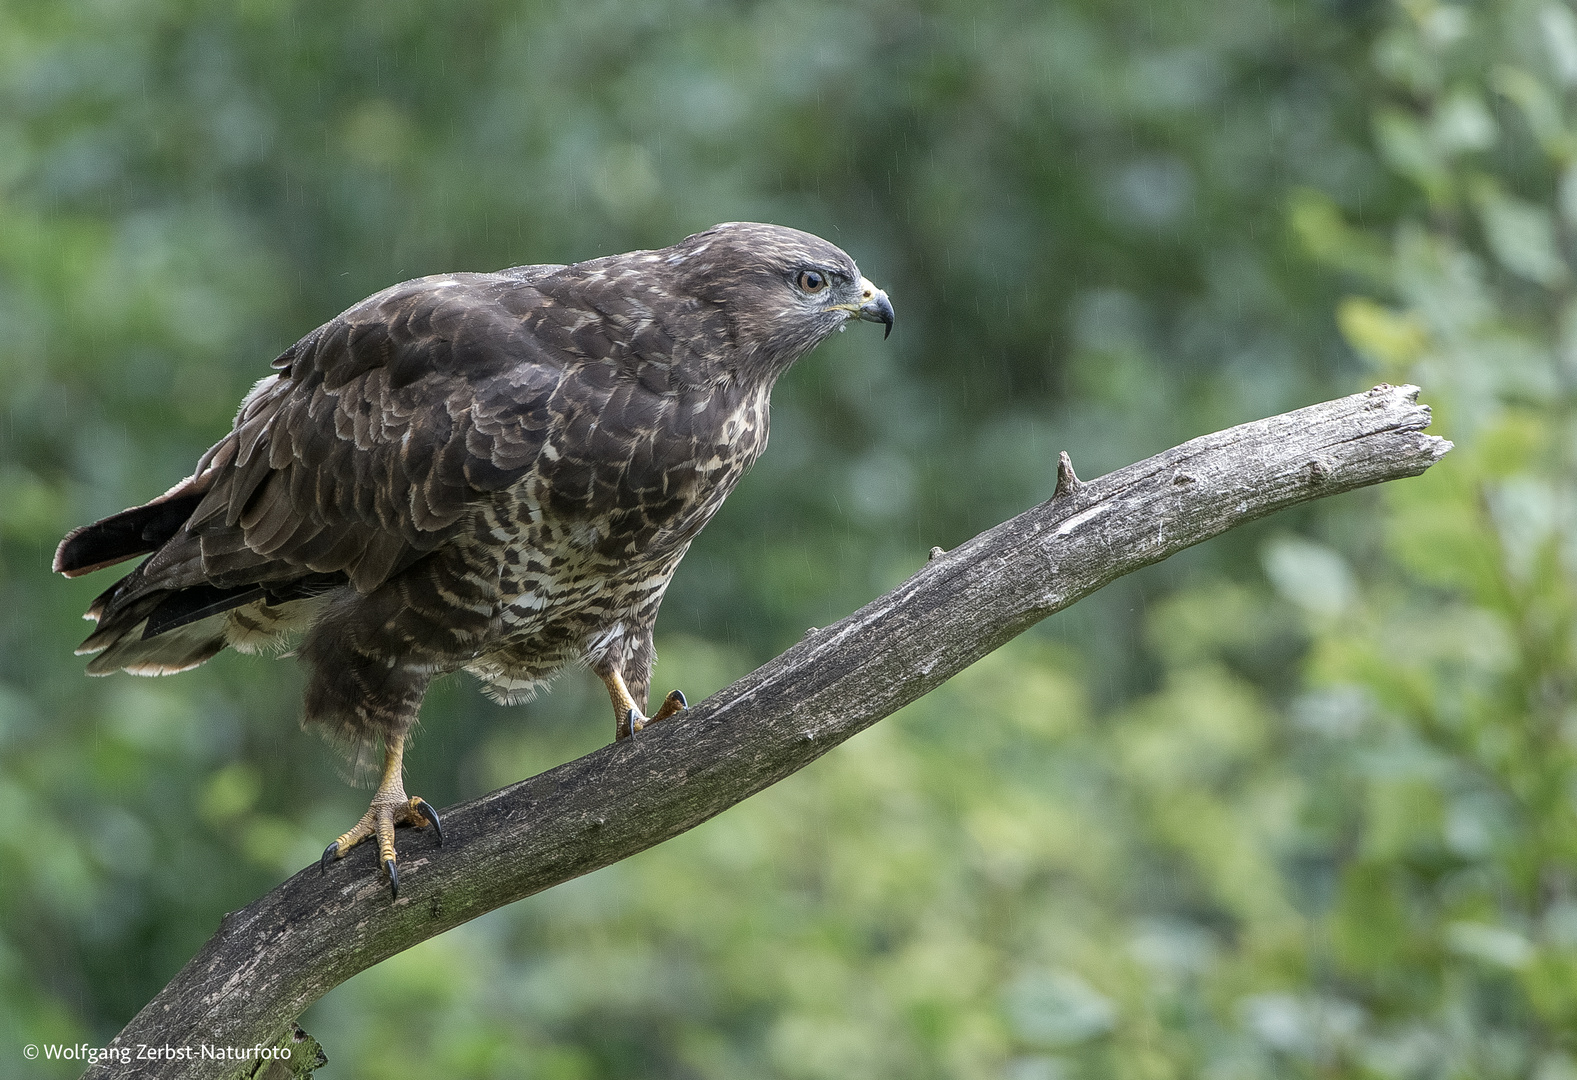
x=373 y=440
x=384 y=428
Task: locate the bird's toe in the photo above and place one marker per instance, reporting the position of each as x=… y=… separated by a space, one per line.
x=359 y=832
x=422 y=813
x=672 y=705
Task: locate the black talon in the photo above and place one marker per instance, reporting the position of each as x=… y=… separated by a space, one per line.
x=683 y=704
x=629 y=720
x=394 y=877
x=431 y=815
x=330 y=853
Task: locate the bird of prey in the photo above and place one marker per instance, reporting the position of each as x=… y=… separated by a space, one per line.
x=496 y=473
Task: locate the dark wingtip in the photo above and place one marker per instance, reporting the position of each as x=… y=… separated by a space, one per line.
x=121 y=536
x=73 y=561
x=58 y=565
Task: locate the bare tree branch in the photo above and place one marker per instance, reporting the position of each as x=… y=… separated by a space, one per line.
x=268 y=962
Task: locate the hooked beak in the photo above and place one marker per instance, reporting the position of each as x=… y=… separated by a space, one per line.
x=875 y=307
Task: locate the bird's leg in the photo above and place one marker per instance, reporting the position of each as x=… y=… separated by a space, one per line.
x=627 y=717
x=390 y=807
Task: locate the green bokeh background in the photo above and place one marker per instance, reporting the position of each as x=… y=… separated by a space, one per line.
x=1299 y=802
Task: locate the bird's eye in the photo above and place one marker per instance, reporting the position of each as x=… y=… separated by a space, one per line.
x=811 y=281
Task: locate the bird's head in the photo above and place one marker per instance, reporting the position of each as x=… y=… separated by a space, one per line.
x=784 y=290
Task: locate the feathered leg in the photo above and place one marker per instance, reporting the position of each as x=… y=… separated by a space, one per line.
x=359 y=693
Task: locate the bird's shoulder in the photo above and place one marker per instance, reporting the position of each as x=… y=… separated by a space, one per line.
x=464 y=325
x=620 y=314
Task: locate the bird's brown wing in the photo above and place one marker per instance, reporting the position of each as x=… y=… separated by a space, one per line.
x=367 y=448
x=380 y=431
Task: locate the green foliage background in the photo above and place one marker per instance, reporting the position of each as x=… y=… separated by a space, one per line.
x=1297 y=803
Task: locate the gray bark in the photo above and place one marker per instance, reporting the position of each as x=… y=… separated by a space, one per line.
x=268 y=962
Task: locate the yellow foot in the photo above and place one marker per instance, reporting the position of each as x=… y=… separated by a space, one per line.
x=632 y=722
x=390 y=807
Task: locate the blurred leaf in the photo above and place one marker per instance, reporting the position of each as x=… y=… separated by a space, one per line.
x=1560 y=38
x=1389 y=339
x=1057 y=1008
x=1310 y=575
x=1491 y=944
x=1540 y=108
x=1522 y=236
x=1462 y=124
x=1410 y=150
x=230 y=792
x=1325 y=235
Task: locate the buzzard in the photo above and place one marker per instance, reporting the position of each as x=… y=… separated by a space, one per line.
x=495 y=473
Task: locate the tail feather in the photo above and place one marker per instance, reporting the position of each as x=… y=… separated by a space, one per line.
x=123 y=622
x=177 y=650
x=196 y=603
x=168 y=614
x=124 y=535
x=162 y=632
